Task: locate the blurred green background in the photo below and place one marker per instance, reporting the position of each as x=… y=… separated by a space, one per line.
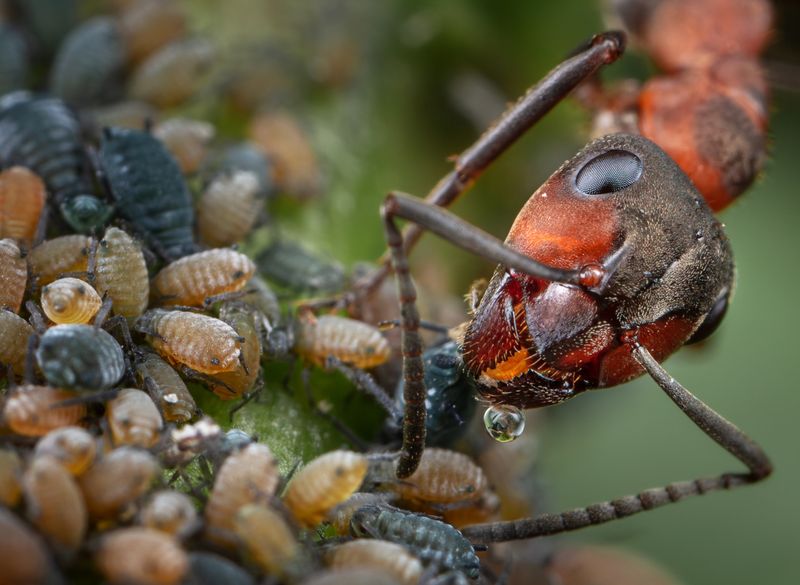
x=427 y=75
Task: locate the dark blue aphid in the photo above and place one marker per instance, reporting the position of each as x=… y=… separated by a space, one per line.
x=41 y=133
x=290 y=265
x=432 y=540
x=80 y=357
x=149 y=190
x=13 y=59
x=450 y=394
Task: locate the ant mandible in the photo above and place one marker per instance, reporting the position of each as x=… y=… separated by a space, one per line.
x=614 y=263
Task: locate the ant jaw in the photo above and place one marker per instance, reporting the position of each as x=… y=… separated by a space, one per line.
x=530 y=389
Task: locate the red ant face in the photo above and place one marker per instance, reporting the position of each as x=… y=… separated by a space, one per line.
x=623 y=208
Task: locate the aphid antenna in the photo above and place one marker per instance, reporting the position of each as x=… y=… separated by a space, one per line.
x=423 y=324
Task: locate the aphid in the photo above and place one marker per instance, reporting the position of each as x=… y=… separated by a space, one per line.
x=389 y=557
x=258 y=295
x=34 y=411
x=207 y=568
x=353 y=576
x=246 y=156
x=193 y=279
x=48 y=21
x=149 y=190
x=229 y=208
x=80 y=357
x=113 y=483
x=22 y=197
x=14 y=334
x=325 y=482
x=351 y=341
x=235 y=383
x=55 y=504
x=340 y=515
x=141 y=556
x=171 y=512
x=13 y=275
x=148 y=25
x=126 y=114
x=166 y=388
x=10 y=478
x=120 y=272
x=268 y=541
x=291 y=266
x=89 y=63
x=23 y=555
x=73 y=448
x=44 y=126
x=173 y=74
x=70 y=300
x=64 y=254
x=202 y=343
x=433 y=541
x=14 y=67
x=249 y=476
x=483 y=509
x=133 y=419
x=186 y=140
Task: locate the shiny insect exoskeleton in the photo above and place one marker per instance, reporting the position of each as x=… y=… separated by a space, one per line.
x=23 y=555
x=81 y=357
x=149 y=190
x=228 y=208
x=70 y=301
x=210 y=569
x=14 y=334
x=13 y=275
x=73 y=448
x=192 y=279
x=269 y=541
x=64 y=254
x=166 y=388
x=34 y=411
x=433 y=541
x=199 y=342
x=14 y=67
x=42 y=134
x=389 y=557
x=186 y=140
x=290 y=265
x=171 y=512
x=10 y=478
x=237 y=382
x=348 y=340
x=133 y=419
x=141 y=555
x=119 y=270
x=22 y=198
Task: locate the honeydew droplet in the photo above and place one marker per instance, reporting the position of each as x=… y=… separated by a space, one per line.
x=504 y=423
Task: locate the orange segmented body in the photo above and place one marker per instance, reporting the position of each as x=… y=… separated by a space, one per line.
x=34 y=411
x=268 y=540
x=204 y=344
x=386 y=556
x=22 y=196
x=247 y=477
x=170 y=512
x=52 y=258
x=186 y=140
x=10 y=478
x=55 y=504
x=133 y=419
x=13 y=275
x=70 y=300
x=239 y=381
x=141 y=555
x=166 y=388
x=14 y=334
x=121 y=272
x=147 y=26
x=113 y=483
x=73 y=448
x=192 y=279
x=23 y=555
x=325 y=482
x=229 y=208
x=351 y=341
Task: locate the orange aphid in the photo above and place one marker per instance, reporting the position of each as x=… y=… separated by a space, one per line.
x=121 y=272
x=13 y=275
x=34 y=411
x=134 y=419
x=147 y=26
x=14 y=334
x=141 y=556
x=52 y=258
x=186 y=140
x=73 y=448
x=229 y=208
x=22 y=196
x=387 y=556
x=351 y=341
x=70 y=300
x=10 y=478
x=170 y=512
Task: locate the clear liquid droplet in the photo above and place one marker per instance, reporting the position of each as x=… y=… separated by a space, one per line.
x=504 y=423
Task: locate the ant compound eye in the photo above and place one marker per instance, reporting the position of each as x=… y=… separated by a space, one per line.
x=609 y=172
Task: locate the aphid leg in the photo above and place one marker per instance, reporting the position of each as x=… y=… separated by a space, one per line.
x=423 y=324
x=36 y=317
x=343 y=429
x=226 y=296
x=367 y=383
x=259 y=386
x=103 y=311
x=205 y=379
x=722 y=431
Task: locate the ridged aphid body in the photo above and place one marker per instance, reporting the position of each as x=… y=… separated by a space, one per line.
x=73 y=448
x=80 y=357
x=23 y=555
x=173 y=74
x=34 y=411
x=239 y=381
x=10 y=478
x=170 y=512
x=121 y=272
x=229 y=208
x=50 y=259
x=42 y=134
x=431 y=540
x=70 y=300
x=149 y=190
x=249 y=476
x=339 y=517
x=165 y=387
x=192 y=279
x=202 y=343
x=291 y=266
x=13 y=59
x=258 y=295
x=351 y=341
x=140 y=556
x=133 y=419
x=207 y=568
x=390 y=557
x=89 y=63
x=324 y=483
x=22 y=197
x=186 y=140
x=13 y=275
x=113 y=483
x=268 y=540
x=55 y=504
x=14 y=334
x=148 y=25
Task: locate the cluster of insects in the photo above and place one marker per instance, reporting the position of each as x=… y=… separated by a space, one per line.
x=123 y=297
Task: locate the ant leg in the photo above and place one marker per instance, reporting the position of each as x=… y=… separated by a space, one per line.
x=722 y=431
